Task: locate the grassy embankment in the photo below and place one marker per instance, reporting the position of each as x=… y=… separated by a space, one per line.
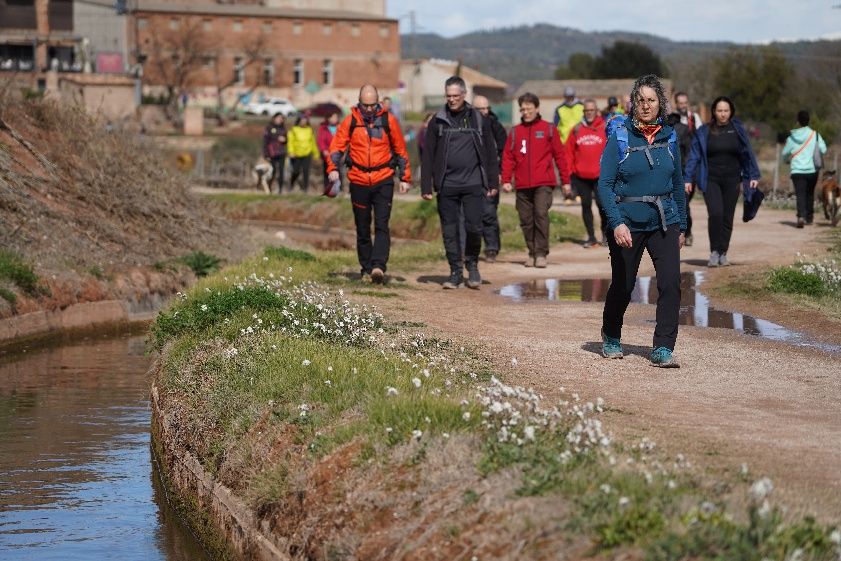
x=354 y=437
x=811 y=283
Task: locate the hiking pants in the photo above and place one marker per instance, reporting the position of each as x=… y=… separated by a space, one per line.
x=367 y=201
x=663 y=247
x=278 y=167
x=804 y=188
x=533 y=206
x=301 y=166
x=721 y=197
x=688 y=210
x=586 y=189
x=451 y=201
x=490 y=225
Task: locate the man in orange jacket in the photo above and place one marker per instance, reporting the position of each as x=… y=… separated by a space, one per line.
x=375 y=146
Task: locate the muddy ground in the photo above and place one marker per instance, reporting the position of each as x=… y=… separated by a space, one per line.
x=736 y=398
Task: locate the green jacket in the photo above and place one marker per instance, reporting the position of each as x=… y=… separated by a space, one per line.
x=804 y=161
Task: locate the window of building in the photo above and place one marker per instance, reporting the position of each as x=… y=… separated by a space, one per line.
x=239 y=70
x=237 y=25
x=327 y=72
x=327 y=29
x=384 y=31
x=267 y=27
x=268 y=72
x=297 y=27
x=209 y=62
x=354 y=30
x=298 y=72
x=175 y=24
x=141 y=23
x=207 y=25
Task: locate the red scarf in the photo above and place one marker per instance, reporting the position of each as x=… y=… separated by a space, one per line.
x=649 y=131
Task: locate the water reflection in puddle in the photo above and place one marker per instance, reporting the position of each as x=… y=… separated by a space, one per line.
x=695 y=308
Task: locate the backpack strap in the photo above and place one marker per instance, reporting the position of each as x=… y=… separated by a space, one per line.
x=386 y=126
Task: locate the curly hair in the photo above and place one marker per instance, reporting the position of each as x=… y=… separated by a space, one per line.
x=653 y=82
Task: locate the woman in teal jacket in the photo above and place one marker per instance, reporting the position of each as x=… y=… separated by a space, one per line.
x=642 y=193
x=800 y=151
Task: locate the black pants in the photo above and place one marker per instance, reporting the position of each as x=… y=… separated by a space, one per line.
x=586 y=189
x=376 y=201
x=490 y=225
x=301 y=166
x=804 y=188
x=721 y=197
x=278 y=168
x=451 y=201
x=688 y=213
x=664 y=249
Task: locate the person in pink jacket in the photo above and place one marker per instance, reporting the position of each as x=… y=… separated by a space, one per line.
x=532 y=151
x=584 y=147
x=325 y=135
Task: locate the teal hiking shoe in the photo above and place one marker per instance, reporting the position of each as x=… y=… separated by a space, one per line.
x=611 y=347
x=663 y=358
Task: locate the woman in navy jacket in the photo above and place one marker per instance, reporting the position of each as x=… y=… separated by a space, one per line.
x=720 y=161
x=641 y=191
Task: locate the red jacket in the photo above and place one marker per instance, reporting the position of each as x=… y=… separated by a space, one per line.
x=374 y=155
x=584 y=149
x=323 y=139
x=529 y=152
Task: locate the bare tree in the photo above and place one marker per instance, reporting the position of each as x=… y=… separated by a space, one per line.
x=252 y=51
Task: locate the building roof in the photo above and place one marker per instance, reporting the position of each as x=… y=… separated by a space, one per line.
x=596 y=88
x=253 y=10
x=474 y=77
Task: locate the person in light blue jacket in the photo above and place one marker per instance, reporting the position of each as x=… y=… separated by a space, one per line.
x=800 y=150
x=641 y=189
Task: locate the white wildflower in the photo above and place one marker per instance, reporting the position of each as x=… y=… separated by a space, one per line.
x=426 y=373
x=466 y=415
x=416 y=382
x=761 y=489
x=416 y=434
x=514 y=362
x=391 y=391
x=624 y=501
x=389 y=430
x=204 y=307
x=445 y=434
x=605 y=488
x=305 y=362
x=528 y=432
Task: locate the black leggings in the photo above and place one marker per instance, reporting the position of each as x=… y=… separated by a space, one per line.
x=301 y=166
x=804 y=188
x=721 y=197
x=278 y=165
x=586 y=188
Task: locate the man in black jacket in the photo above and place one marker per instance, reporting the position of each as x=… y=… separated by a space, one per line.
x=490 y=219
x=460 y=162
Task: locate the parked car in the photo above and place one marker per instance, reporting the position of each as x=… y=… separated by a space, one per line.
x=271 y=106
x=323 y=110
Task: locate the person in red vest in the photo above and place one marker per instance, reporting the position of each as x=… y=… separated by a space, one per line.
x=584 y=147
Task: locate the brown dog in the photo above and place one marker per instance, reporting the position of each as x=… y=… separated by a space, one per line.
x=831 y=196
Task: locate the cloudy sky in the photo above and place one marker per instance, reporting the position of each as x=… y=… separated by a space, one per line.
x=741 y=21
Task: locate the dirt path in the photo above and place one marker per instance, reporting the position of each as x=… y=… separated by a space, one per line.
x=736 y=398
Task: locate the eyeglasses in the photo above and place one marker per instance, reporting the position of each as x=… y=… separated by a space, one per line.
x=456 y=96
x=590 y=110
x=368 y=105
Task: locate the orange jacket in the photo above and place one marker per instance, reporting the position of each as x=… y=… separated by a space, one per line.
x=373 y=156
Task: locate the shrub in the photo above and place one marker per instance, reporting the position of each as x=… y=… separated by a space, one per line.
x=795 y=281
x=8 y=296
x=201 y=263
x=13 y=268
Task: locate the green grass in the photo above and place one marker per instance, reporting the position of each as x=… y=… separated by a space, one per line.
x=794 y=281
x=8 y=296
x=15 y=269
x=201 y=263
x=238 y=362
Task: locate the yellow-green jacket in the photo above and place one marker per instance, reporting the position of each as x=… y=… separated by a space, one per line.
x=300 y=142
x=567 y=116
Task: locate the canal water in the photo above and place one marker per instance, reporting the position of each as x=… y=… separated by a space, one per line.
x=695 y=307
x=77 y=480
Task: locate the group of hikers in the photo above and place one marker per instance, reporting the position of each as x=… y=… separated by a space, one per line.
x=640 y=163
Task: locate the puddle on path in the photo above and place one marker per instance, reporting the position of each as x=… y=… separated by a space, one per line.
x=695 y=308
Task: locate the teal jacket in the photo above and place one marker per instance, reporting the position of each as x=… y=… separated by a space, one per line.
x=804 y=161
x=634 y=177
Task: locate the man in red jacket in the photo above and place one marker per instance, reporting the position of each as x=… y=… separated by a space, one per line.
x=584 y=148
x=531 y=148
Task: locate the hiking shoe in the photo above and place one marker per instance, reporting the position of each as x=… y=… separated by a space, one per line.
x=688 y=241
x=540 y=261
x=529 y=261
x=722 y=260
x=490 y=256
x=800 y=222
x=663 y=358
x=589 y=243
x=611 y=347
x=715 y=257
x=377 y=275
x=456 y=280
x=474 y=279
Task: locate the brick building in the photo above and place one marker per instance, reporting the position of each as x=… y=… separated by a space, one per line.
x=36 y=35
x=306 y=51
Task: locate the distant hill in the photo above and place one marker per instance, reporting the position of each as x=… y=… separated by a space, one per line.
x=517 y=54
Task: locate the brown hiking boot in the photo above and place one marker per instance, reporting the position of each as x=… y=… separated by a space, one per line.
x=540 y=261
x=377 y=275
